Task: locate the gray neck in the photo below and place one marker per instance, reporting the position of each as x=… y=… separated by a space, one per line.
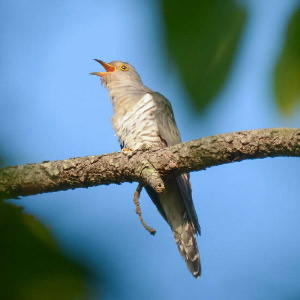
x=124 y=95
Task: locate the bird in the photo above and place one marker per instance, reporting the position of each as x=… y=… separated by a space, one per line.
x=145 y=117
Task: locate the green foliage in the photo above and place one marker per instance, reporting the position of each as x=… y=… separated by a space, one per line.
x=287 y=72
x=202 y=37
x=31 y=265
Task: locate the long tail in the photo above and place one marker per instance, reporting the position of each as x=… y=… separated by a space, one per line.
x=187 y=246
x=176 y=206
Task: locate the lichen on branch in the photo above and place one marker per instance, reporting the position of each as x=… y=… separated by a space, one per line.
x=148 y=167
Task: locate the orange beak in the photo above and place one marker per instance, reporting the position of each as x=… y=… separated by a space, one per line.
x=108 y=68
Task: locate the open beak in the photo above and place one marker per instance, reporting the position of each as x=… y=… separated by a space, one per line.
x=108 y=68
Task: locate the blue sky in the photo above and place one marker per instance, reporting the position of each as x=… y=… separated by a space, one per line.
x=51 y=109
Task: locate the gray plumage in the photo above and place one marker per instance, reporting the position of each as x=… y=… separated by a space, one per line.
x=142 y=116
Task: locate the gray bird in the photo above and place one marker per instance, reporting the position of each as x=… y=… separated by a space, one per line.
x=144 y=117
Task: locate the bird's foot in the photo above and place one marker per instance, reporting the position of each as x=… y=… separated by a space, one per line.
x=127 y=152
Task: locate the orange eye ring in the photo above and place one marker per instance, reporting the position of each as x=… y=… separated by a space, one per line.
x=123 y=68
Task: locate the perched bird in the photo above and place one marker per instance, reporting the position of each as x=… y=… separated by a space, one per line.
x=142 y=116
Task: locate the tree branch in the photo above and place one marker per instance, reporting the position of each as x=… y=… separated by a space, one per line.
x=147 y=167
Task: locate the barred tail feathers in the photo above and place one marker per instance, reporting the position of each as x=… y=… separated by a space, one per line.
x=187 y=246
x=173 y=209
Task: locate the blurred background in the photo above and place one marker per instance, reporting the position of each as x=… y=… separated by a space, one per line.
x=225 y=66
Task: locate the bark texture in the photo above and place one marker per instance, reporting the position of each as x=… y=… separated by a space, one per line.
x=148 y=166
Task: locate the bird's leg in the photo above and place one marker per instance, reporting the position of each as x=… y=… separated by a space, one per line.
x=126 y=151
x=138 y=209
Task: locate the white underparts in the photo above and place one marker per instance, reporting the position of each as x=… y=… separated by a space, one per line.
x=139 y=126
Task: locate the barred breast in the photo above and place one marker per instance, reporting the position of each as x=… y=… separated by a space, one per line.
x=138 y=125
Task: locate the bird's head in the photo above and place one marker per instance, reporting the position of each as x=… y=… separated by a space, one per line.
x=118 y=71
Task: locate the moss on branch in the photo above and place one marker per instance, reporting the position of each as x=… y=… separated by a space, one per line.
x=50 y=176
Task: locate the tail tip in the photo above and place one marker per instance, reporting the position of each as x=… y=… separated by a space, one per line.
x=195 y=268
x=197 y=274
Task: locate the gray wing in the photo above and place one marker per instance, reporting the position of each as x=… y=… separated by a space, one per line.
x=169 y=134
x=167 y=127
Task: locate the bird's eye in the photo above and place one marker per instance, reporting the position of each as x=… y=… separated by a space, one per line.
x=123 y=68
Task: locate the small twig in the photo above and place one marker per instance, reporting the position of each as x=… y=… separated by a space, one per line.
x=150 y=176
x=138 y=209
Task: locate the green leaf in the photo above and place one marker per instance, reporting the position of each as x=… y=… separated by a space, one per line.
x=202 y=38
x=31 y=266
x=287 y=72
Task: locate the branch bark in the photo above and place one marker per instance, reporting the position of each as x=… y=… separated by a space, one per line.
x=148 y=167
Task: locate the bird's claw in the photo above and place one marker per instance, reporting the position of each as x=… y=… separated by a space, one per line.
x=127 y=152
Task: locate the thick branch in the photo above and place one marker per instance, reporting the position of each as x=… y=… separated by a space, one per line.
x=118 y=167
